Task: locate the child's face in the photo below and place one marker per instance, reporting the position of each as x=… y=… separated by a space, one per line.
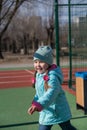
x=40 y=66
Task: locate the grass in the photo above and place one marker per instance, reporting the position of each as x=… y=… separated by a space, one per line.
x=14 y=104
x=18 y=68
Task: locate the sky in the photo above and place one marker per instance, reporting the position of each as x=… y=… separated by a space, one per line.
x=76 y=11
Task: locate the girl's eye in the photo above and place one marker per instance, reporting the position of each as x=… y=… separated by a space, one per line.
x=35 y=61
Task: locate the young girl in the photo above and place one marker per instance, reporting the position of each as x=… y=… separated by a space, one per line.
x=50 y=100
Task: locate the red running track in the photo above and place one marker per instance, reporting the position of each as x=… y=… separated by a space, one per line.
x=22 y=78
x=18 y=78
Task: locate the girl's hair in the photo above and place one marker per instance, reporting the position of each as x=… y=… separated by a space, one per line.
x=46 y=86
x=45 y=81
x=34 y=79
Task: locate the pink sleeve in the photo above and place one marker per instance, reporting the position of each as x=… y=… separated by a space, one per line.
x=38 y=105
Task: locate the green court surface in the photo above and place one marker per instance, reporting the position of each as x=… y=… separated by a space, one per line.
x=14 y=103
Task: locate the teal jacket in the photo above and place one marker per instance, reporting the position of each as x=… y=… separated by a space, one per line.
x=52 y=104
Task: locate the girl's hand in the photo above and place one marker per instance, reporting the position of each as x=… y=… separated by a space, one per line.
x=32 y=109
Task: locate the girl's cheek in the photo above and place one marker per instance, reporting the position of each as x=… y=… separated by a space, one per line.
x=34 y=67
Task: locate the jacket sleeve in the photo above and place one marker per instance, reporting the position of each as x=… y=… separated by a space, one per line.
x=35 y=97
x=36 y=103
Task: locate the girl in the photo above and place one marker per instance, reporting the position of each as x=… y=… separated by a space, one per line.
x=50 y=100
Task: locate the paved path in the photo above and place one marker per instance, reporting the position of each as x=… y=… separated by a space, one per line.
x=16 y=63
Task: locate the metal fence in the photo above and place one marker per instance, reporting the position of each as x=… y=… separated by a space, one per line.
x=71 y=36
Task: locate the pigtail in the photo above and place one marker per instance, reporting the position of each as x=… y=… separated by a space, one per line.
x=46 y=86
x=34 y=79
x=46 y=78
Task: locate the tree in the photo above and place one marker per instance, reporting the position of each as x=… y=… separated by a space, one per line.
x=49 y=23
x=8 y=9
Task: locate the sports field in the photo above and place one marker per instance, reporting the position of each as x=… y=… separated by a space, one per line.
x=16 y=95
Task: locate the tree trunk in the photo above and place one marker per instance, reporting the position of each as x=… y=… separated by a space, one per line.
x=1 y=55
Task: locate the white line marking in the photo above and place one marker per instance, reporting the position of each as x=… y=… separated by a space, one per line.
x=14 y=82
x=14 y=76
x=5 y=82
x=13 y=73
x=29 y=71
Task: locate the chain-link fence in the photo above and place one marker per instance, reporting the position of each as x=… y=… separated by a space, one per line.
x=72 y=20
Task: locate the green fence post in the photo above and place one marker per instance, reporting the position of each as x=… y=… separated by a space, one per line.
x=69 y=43
x=57 y=32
